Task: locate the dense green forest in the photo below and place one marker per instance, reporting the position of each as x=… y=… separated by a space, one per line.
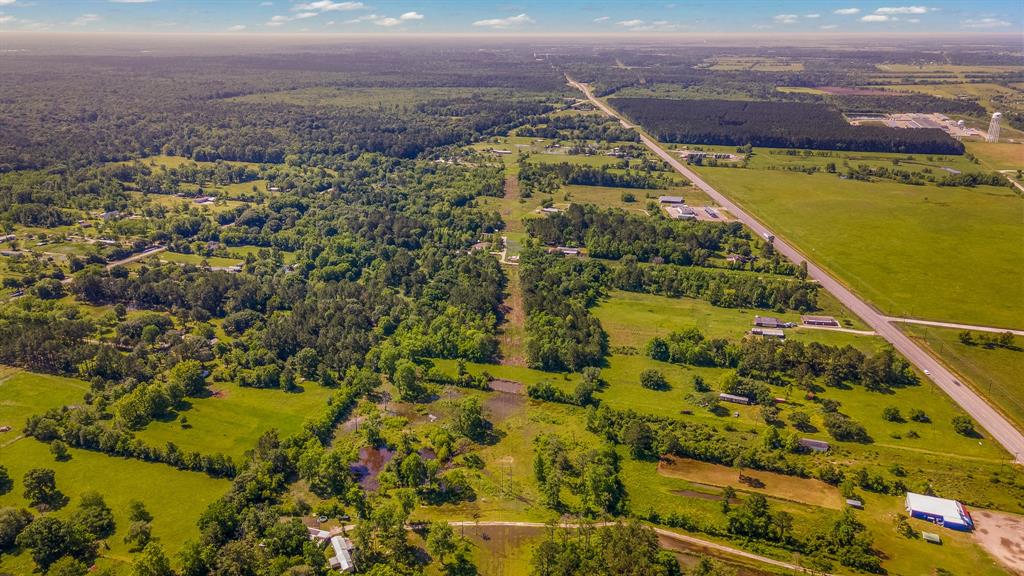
x=775 y=124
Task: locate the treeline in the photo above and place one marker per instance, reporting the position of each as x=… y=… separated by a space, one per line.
x=590 y=475
x=578 y=127
x=612 y=233
x=720 y=288
x=539 y=177
x=901 y=102
x=775 y=125
x=562 y=334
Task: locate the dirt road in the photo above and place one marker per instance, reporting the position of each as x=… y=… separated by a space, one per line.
x=667 y=534
x=998 y=427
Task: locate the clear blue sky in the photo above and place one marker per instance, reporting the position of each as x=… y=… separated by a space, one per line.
x=512 y=16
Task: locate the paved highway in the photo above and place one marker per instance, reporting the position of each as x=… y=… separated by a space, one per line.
x=998 y=427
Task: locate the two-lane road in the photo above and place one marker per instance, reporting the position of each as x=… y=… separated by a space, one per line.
x=998 y=427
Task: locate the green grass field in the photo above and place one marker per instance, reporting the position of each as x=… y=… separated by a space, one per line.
x=23 y=394
x=995 y=372
x=197 y=259
x=998 y=155
x=231 y=421
x=175 y=498
x=905 y=248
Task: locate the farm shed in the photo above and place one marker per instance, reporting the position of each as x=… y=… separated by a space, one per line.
x=681 y=212
x=342 y=560
x=819 y=321
x=734 y=398
x=814 y=445
x=944 y=512
x=768 y=333
x=768 y=322
x=670 y=199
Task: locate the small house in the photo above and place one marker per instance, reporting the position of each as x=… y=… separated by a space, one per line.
x=711 y=212
x=941 y=511
x=819 y=321
x=854 y=503
x=501 y=152
x=931 y=537
x=670 y=199
x=733 y=398
x=814 y=445
x=111 y=215
x=550 y=210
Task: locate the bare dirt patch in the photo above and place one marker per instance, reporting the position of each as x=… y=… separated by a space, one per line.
x=1002 y=535
x=802 y=490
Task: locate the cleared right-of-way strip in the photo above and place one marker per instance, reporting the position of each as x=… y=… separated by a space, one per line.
x=998 y=427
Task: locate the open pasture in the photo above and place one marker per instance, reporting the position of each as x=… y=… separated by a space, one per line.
x=175 y=498
x=232 y=418
x=903 y=247
x=994 y=372
x=23 y=394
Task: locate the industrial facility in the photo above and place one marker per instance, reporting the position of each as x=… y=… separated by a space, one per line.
x=941 y=511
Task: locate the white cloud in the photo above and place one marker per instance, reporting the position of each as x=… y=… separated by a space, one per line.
x=411 y=16
x=890 y=10
x=812 y=15
x=387 y=22
x=236 y=28
x=874 y=18
x=847 y=11
x=509 y=22
x=656 y=26
x=601 y=19
x=367 y=18
x=85 y=19
x=6 y=19
x=785 y=18
x=278 y=20
x=985 y=23
x=829 y=27
x=7 y=2
x=631 y=23
x=328 y=6
x=304 y=15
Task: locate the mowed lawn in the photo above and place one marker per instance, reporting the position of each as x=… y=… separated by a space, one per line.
x=995 y=372
x=939 y=253
x=233 y=419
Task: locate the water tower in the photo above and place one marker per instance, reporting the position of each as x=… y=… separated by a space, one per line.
x=993 y=128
